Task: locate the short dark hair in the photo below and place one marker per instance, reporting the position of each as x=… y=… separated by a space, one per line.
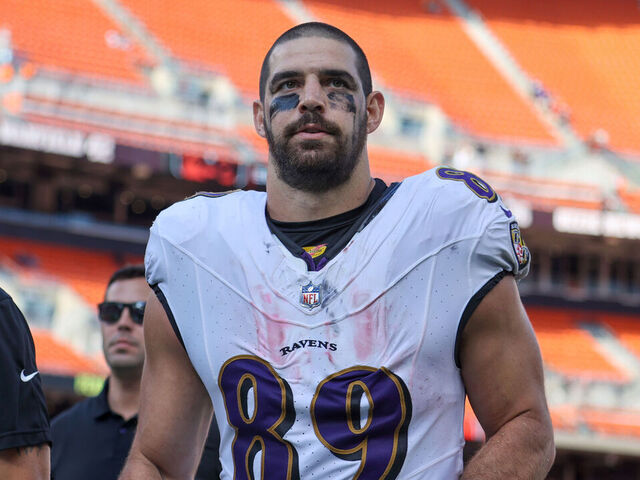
x=127 y=272
x=324 y=30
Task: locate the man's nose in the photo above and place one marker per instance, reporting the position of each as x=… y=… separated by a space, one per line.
x=313 y=97
x=125 y=322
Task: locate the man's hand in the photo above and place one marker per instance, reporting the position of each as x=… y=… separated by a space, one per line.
x=503 y=375
x=175 y=409
x=26 y=463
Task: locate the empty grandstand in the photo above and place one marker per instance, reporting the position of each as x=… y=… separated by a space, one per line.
x=111 y=110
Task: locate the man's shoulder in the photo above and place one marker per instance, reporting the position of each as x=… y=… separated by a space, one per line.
x=454 y=195
x=205 y=210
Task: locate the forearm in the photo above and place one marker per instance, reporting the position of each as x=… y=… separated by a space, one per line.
x=522 y=449
x=25 y=463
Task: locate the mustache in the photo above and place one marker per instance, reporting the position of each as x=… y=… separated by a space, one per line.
x=311 y=117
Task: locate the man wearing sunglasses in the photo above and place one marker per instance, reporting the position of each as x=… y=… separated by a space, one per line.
x=92 y=439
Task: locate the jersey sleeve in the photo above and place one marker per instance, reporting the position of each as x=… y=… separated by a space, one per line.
x=23 y=412
x=501 y=247
x=500 y=250
x=493 y=242
x=172 y=233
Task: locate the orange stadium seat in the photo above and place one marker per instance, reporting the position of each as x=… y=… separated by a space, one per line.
x=229 y=37
x=613 y=422
x=626 y=328
x=70 y=35
x=568 y=349
x=56 y=358
x=429 y=56
x=394 y=165
x=564 y=417
x=545 y=194
x=86 y=271
x=586 y=54
x=630 y=197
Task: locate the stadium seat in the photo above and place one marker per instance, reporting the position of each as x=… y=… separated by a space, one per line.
x=428 y=56
x=394 y=165
x=86 y=271
x=586 y=55
x=568 y=349
x=546 y=194
x=70 y=35
x=626 y=328
x=564 y=417
x=630 y=197
x=230 y=38
x=56 y=358
x=613 y=422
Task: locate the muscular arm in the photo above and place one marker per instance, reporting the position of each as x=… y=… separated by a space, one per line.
x=25 y=463
x=175 y=410
x=503 y=376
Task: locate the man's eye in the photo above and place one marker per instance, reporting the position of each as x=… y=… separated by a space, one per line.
x=338 y=83
x=289 y=84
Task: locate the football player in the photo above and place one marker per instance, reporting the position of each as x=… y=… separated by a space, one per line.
x=335 y=323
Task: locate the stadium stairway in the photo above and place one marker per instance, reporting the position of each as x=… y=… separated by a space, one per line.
x=584 y=54
x=609 y=344
x=498 y=54
x=136 y=30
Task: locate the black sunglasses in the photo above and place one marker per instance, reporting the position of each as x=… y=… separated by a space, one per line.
x=110 y=312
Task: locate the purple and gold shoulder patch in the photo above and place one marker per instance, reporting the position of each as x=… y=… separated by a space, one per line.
x=519 y=247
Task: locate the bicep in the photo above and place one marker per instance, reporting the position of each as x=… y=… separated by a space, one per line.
x=175 y=409
x=501 y=362
x=25 y=463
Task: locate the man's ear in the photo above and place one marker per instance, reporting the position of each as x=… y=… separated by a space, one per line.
x=375 y=110
x=258 y=118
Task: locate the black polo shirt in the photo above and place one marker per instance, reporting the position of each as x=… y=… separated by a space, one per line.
x=92 y=442
x=23 y=411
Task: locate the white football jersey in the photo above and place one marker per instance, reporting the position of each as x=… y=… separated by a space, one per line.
x=351 y=371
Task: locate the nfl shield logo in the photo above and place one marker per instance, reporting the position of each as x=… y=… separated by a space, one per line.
x=310 y=295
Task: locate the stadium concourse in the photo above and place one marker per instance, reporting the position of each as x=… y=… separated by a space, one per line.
x=111 y=110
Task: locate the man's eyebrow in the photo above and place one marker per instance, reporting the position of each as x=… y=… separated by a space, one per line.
x=339 y=74
x=282 y=75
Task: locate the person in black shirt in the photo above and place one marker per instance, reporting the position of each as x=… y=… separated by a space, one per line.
x=24 y=424
x=92 y=439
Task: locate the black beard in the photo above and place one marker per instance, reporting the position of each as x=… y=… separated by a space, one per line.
x=313 y=166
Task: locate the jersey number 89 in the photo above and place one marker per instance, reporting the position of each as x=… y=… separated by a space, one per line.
x=378 y=442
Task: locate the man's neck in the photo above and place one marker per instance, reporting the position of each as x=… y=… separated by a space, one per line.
x=288 y=204
x=124 y=394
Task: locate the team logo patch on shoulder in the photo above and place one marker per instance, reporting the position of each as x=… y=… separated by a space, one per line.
x=310 y=295
x=519 y=247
